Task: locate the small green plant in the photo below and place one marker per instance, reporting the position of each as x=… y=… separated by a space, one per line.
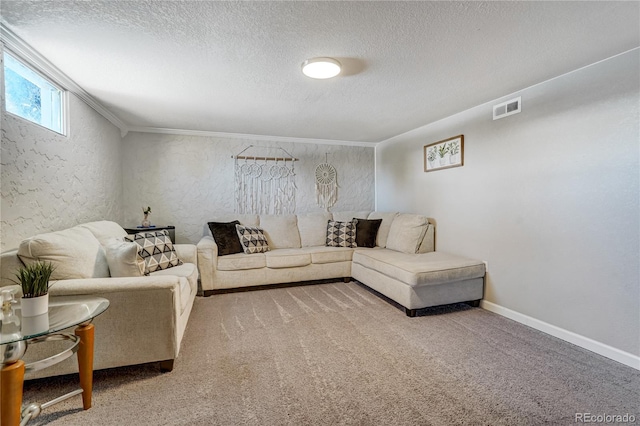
x=431 y=156
x=442 y=151
x=147 y=210
x=34 y=279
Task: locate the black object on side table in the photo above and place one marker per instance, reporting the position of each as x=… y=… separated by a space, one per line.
x=170 y=228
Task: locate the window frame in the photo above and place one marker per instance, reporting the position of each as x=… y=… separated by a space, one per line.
x=64 y=98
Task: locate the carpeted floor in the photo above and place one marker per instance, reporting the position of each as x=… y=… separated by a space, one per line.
x=335 y=354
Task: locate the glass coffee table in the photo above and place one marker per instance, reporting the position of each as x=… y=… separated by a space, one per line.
x=17 y=333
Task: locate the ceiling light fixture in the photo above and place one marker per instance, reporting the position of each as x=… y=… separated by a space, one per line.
x=321 y=68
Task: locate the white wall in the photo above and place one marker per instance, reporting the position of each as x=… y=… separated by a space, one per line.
x=50 y=182
x=187 y=180
x=549 y=197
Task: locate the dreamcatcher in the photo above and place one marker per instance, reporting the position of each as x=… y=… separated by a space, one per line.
x=326 y=185
x=265 y=185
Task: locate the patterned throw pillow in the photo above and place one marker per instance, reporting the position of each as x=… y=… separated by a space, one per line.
x=156 y=249
x=341 y=234
x=252 y=239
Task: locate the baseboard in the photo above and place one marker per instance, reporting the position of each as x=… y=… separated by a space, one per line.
x=584 y=342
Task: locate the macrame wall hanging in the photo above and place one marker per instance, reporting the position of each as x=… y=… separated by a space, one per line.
x=326 y=185
x=265 y=185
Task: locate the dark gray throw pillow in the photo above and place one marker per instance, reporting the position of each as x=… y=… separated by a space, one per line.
x=226 y=237
x=367 y=231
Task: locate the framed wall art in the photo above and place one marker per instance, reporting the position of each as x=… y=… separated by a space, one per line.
x=444 y=154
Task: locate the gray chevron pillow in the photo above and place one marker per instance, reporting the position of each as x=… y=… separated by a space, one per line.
x=156 y=249
x=252 y=239
x=341 y=234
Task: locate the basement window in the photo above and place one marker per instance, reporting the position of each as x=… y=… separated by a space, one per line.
x=31 y=96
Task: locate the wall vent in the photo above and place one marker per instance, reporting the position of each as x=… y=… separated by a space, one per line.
x=507 y=108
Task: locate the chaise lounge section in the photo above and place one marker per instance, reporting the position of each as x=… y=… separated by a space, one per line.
x=420 y=280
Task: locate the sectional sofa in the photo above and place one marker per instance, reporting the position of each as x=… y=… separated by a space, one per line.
x=402 y=264
x=147 y=315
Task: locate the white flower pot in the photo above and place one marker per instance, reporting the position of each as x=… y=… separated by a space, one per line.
x=443 y=161
x=33 y=306
x=35 y=325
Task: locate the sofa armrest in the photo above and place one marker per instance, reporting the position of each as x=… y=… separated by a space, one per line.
x=187 y=253
x=207 y=261
x=143 y=317
x=94 y=286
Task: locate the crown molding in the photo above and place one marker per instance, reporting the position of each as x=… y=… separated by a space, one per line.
x=222 y=135
x=18 y=47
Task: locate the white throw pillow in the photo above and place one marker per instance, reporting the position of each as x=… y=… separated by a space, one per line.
x=104 y=230
x=74 y=252
x=123 y=258
x=281 y=230
x=406 y=233
x=313 y=228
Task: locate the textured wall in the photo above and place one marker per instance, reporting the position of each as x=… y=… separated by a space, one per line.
x=51 y=182
x=188 y=179
x=549 y=197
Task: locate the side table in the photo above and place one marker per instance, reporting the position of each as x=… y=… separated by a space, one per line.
x=18 y=332
x=170 y=228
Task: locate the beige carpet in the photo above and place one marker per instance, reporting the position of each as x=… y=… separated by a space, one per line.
x=335 y=354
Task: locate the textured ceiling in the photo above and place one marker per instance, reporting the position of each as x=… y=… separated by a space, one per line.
x=234 y=67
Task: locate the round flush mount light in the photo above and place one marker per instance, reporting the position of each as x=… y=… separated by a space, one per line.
x=321 y=68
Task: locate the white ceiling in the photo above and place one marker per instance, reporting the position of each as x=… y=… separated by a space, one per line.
x=234 y=67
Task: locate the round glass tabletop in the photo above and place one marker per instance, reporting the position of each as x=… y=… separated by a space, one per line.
x=64 y=312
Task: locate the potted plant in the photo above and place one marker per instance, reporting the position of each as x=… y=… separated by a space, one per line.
x=431 y=156
x=34 y=280
x=442 y=151
x=454 y=149
x=146 y=222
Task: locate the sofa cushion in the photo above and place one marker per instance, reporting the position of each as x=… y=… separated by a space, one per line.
x=156 y=249
x=287 y=258
x=252 y=239
x=385 y=226
x=348 y=215
x=428 y=241
x=341 y=234
x=366 y=232
x=242 y=261
x=226 y=237
x=104 y=230
x=324 y=254
x=123 y=258
x=406 y=233
x=313 y=228
x=281 y=230
x=422 y=268
x=74 y=252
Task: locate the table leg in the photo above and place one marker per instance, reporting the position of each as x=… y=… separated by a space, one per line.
x=85 y=362
x=12 y=376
